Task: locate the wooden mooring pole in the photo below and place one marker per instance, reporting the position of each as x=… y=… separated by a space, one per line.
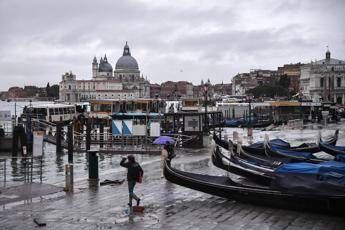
x=88 y=134
x=101 y=134
x=70 y=143
x=58 y=138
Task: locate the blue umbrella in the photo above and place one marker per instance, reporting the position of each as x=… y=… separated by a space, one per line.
x=162 y=140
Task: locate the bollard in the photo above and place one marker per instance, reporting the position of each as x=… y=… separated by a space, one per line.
x=93 y=164
x=69 y=178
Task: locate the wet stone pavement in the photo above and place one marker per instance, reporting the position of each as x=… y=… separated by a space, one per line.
x=167 y=206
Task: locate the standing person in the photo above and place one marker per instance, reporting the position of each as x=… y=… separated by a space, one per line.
x=164 y=156
x=134 y=171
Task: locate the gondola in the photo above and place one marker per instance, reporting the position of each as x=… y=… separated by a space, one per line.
x=259 y=147
x=331 y=149
x=259 y=171
x=244 y=123
x=290 y=154
x=255 y=194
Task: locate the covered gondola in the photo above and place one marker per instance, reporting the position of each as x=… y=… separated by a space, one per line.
x=331 y=149
x=259 y=147
x=333 y=203
x=293 y=155
x=245 y=123
x=253 y=169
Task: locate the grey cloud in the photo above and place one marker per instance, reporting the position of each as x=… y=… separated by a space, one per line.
x=42 y=39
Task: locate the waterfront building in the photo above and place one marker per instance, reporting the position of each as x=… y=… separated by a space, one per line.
x=293 y=73
x=125 y=82
x=324 y=80
x=176 y=90
x=243 y=82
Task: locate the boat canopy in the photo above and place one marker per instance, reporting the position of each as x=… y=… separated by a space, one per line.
x=306 y=155
x=333 y=167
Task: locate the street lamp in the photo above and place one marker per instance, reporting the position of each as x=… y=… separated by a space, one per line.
x=250 y=130
x=206 y=85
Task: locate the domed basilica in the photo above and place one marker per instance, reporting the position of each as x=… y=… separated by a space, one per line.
x=124 y=82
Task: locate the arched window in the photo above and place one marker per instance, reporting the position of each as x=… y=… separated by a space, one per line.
x=338 y=82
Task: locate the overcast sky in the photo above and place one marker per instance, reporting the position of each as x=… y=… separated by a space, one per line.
x=171 y=40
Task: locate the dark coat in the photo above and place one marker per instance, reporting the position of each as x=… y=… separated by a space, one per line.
x=134 y=169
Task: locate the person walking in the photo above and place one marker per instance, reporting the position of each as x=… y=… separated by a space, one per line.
x=134 y=171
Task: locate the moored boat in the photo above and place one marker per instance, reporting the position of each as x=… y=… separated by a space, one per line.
x=291 y=154
x=333 y=203
x=331 y=149
x=259 y=172
x=259 y=147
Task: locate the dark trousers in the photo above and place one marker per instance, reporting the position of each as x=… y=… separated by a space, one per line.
x=131 y=185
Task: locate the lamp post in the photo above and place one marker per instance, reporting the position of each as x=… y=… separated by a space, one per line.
x=206 y=85
x=250 y=130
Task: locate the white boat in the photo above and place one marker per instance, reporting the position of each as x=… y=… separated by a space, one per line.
x=51 y=112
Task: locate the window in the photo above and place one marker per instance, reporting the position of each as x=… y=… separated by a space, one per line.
x=338 y=82
x=339 y=100
x=321 y=82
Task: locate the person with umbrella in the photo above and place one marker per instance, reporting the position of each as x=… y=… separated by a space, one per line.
x=165 y=141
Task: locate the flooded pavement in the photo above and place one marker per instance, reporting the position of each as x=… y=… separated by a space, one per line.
x=167 y=206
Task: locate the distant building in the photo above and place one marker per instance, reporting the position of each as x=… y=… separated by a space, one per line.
x=222 y=89
x=243 y=82
x=293 y=73
x=16 y=92
x=324 y=80
x=175 y=90
x=155 y=90
x=199 y=90
x=124 y=82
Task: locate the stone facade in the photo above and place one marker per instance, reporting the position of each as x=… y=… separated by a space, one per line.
x=223 y=89
x=175 y=90
x=124 y=82
x=324 y=80
x=243 y=82
x=293 y=72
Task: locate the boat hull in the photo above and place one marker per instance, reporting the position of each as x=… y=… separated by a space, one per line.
x=224 y=187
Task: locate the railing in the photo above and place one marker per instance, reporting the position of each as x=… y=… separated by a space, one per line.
x=27 y=170
x=108 y=141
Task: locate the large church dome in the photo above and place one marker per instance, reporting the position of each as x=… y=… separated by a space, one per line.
x=126 y=62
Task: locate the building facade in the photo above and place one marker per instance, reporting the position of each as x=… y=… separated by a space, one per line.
x=176 y=90
x=324 y=80
x=243 y=82
x=124 y=82
x=293 y=73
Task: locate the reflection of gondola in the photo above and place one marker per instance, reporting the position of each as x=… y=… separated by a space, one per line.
x=259 y=147
x=331 y=149
x=225 y=187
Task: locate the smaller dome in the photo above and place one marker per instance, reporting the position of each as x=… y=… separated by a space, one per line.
x=104 y=65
